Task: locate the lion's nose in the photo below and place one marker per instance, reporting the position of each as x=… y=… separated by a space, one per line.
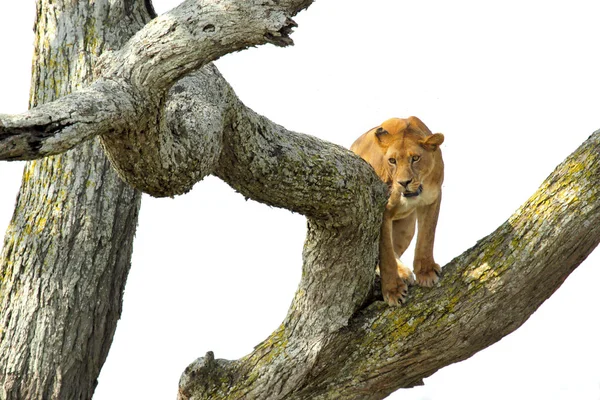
x=405 y=183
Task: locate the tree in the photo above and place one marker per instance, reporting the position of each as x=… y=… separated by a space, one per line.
x=200 y=107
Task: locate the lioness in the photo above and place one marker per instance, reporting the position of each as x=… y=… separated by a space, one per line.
x=406 y=156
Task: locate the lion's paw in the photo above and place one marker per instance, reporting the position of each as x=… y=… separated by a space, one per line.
x=396 y=292
x=428 y=277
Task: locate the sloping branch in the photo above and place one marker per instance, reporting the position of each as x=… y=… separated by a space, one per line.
x=486 y=293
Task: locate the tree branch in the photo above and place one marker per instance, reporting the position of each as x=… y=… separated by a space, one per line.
x=133 y=80
x=196 y=33
x=382 y=349
x=272 y=165
x=58 y=126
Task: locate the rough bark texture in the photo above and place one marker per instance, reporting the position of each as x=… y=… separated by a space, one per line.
x=171 y=130
x=67 y=250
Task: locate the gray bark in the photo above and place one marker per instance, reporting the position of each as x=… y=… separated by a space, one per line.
x=178 y=121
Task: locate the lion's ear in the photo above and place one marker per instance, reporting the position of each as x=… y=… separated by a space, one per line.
x=432 y=142
x=382 y=135
x=380 y=132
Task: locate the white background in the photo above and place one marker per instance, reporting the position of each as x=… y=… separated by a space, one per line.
x=514 y=87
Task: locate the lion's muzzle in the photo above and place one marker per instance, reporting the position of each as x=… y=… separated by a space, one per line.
x=415 y=193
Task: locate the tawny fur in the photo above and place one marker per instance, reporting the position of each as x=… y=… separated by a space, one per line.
x=406 y=156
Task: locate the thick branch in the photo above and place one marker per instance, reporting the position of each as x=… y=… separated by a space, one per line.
x=200 y=127
x=268 y=163
x=485 y=294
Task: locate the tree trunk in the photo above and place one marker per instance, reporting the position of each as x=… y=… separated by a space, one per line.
x=67 y=250
x=167 y=118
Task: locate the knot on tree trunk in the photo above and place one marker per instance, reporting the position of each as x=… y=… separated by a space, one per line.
x=213 y=375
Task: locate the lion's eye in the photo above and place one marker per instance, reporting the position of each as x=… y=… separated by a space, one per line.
x=392 y=160
x=416 y=158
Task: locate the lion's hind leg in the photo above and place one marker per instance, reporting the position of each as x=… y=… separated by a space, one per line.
x=427 y=271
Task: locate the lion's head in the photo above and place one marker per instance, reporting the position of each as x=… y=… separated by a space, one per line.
x=402 y=152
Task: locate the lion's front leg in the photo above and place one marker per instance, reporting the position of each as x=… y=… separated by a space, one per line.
x=393 y=287
x=403 y=232
x=426 y=270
